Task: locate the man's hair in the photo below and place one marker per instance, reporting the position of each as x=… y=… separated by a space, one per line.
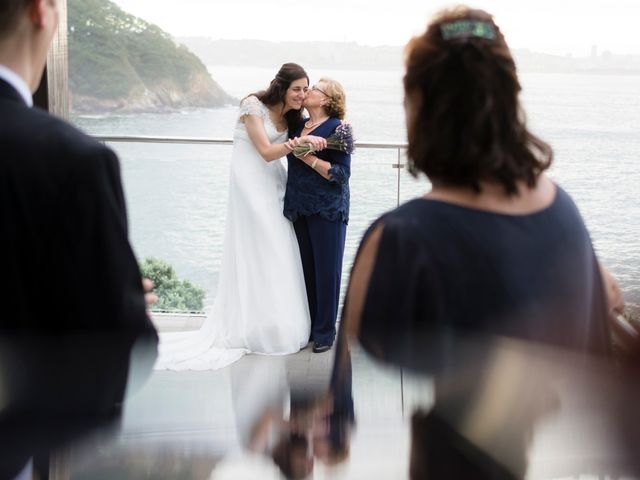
x=467 y=123
x=9 y=11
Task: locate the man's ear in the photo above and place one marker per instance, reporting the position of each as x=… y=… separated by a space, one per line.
x=37 y=13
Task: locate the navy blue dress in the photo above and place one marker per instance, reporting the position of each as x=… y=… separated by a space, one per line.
x=319 y=210
x=308 y=193
x=441 y=266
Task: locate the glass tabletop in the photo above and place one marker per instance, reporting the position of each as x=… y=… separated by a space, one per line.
x=91 y=407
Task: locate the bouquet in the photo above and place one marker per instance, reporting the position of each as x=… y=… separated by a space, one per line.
x=341 y=139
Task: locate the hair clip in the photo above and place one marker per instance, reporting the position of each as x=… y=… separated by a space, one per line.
x=465 y=29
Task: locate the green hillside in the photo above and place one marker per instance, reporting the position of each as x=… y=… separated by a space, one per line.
x=120 y=62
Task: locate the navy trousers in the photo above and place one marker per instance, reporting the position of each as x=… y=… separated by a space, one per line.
x=321 y=249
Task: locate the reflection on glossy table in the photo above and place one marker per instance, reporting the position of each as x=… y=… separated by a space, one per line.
x=518 y=411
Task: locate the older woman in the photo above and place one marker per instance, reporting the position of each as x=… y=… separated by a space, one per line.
x=495 y=247
x=317 y=202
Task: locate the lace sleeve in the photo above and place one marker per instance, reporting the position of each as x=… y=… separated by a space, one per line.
x=251 y=106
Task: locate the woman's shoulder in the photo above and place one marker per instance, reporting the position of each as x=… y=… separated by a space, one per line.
x=333 y=122
x=407 y=211
x=327 y=127
x=251 y=99
x=251 y=105
x=423 y=214
x=402 y=219
x=416 y=220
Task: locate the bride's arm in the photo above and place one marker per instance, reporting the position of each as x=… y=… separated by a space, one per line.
x=267 y=150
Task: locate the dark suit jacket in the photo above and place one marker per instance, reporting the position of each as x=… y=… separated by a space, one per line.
x=66 y=263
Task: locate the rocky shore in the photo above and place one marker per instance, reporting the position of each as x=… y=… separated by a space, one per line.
x=119 y=62
x=164 y=96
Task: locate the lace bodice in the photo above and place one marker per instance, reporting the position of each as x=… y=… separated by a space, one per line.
x=252 y=106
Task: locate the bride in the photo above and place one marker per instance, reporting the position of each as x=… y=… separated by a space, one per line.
x=261 y=304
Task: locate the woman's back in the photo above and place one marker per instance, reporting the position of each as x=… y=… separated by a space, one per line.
x=531 y=276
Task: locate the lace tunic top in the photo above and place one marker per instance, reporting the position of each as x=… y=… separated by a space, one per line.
x=308 y=193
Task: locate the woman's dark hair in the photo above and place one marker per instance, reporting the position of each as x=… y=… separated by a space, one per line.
x=290 y=448
x=465 y=123
x=275 y=93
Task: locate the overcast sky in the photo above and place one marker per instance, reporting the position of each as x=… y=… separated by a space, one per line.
x=550 y=26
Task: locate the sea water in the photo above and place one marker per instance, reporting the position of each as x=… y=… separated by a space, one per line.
x=177 y=194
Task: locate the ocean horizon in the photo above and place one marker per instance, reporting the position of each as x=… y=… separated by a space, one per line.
x=177 y=194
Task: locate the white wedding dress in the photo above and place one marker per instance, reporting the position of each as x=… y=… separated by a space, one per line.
x=261 y=303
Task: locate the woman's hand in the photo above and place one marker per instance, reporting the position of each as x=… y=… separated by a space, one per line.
x=291 y=143
x=318 y=143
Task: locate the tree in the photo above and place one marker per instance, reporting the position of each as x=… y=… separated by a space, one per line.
x=173 y=293
x=118 y=61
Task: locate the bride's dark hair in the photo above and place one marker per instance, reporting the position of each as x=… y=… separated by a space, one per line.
x=275 y=93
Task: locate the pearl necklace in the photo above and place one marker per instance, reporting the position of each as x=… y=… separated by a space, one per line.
x=314 y=124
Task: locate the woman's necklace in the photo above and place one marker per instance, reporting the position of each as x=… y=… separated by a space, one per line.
x=310 y=126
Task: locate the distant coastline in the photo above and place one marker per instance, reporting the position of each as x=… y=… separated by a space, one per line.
x=352 y=56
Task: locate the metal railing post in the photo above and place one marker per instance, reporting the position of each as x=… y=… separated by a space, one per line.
x=399 y=168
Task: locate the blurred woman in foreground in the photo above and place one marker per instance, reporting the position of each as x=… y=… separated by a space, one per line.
x=495 y=247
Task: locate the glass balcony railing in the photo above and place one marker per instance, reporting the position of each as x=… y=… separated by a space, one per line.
x=176 y=189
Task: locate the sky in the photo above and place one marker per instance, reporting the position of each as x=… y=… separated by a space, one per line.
x=548 y=26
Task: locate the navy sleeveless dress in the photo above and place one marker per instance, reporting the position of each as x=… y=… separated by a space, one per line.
x=442 y=266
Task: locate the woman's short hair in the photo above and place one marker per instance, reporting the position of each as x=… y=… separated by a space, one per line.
x=277 y=89
x=337 y=106
x=464 y=122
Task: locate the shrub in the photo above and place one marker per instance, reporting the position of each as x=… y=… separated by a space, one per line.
x=173 y=293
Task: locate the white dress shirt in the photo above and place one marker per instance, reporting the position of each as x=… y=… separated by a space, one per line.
x=16 y=81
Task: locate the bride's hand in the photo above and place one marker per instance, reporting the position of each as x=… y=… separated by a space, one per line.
x=318 y=143
x=292 y=143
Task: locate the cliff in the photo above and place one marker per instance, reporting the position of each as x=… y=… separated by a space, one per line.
x=118 y=62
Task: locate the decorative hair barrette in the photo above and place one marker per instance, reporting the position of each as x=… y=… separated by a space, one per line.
x=465 y=29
